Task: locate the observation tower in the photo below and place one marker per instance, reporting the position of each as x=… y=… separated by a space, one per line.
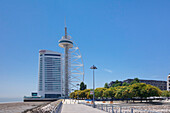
x=73 y=64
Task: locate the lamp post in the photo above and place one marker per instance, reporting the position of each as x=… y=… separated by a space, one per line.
x=78 y=92
x=93 y=67
x=72 y=91
x=72 y=97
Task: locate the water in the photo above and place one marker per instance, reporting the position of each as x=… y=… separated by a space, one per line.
x=11 y=100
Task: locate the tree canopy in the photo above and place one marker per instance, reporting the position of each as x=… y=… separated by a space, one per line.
x=165 y=93
x=106 y=85
x=82 y=86
x=136 y=80
x=117 y=83
x=125 y=84
x=141 y=90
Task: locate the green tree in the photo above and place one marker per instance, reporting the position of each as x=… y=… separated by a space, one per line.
x=135 y=89
x=143 y=90
x=125 y=84
x=110 y=92
x=151 y=91
x=78 y=94
x=89 y=96
x=165 y=93
x=136 y=80
x=116 y=84
x=72 y=95
x=85 y=93
x=117 y=81
x=106 y=85
x=99 y=92
x=123 y=93
x=82 y=86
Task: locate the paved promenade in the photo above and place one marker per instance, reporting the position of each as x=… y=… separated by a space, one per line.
x=73 y=107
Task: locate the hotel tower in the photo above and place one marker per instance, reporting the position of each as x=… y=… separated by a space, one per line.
x=50 y=74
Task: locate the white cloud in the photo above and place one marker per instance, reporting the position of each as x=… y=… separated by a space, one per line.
x=108 y=70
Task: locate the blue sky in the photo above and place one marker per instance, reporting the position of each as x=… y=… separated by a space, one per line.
x=123 y=38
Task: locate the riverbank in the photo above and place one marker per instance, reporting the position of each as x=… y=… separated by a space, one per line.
x=18 y=107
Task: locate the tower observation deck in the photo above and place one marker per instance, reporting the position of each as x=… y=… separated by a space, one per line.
x=73 y=64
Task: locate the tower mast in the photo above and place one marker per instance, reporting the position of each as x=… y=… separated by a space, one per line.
x=66 y=66
x=73 y=64
x=66 y=44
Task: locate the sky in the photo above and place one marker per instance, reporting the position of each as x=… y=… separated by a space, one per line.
x=122 y=38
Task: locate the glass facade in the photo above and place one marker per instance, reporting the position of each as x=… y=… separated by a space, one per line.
x=52 y=74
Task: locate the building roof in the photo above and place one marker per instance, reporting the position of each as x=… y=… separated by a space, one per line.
x=42 y=51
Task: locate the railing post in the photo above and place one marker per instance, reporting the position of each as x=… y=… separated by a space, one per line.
x=112 y=109
x=106 y=108
x=102 y=106
x=120 y=109
x=131 y=110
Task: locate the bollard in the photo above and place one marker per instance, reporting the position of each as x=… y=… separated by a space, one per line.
x=112 y=109
x=131 y=110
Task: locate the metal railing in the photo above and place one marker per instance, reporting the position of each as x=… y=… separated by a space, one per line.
x=117 y=108
x=57 y=109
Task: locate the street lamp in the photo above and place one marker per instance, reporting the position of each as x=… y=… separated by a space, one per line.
x=93 y=67
x=78 y=92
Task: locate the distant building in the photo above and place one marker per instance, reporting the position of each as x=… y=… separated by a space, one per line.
x=50 y=74
x=168 y=82
x=160 y=84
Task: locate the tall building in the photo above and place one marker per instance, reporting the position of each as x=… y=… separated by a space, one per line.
x=50 y=74
x=168 y=82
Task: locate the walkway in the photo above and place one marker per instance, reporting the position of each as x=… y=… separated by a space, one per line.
x=78 y=108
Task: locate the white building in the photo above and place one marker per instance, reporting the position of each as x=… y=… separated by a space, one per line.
x=168 y=82
x=50 y=74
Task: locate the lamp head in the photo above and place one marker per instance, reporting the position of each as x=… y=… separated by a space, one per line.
x=93 y=67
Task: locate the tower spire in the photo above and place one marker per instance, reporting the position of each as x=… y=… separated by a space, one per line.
x=65 y=22
x=65 y=28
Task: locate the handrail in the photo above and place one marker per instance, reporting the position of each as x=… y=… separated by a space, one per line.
x=105 y=108
x=57 y=109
